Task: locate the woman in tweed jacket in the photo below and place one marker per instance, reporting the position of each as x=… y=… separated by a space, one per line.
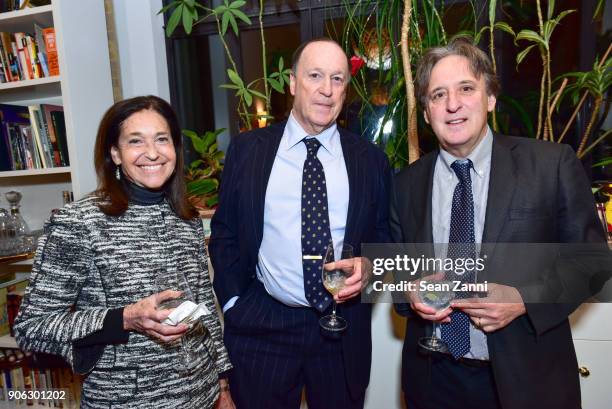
x=92 y=297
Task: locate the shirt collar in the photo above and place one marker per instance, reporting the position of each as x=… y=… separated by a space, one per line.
x=294 y=133
x=480 y=156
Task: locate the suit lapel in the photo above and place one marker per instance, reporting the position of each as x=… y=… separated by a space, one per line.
x=502 y=183
x=421 y=199
x=352 y=152
x=266 y=145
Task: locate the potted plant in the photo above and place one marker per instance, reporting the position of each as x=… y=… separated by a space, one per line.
x=203 y=174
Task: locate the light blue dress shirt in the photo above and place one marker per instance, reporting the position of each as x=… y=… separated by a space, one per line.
x=444 y=184
x=279 y=265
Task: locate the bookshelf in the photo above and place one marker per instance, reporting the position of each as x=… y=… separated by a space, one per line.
x=26 y=84
x=21 y=20
x=6 y=341
x=83 y=88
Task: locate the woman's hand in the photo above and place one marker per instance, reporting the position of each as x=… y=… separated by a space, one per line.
x=144 y=317
x=225 y=398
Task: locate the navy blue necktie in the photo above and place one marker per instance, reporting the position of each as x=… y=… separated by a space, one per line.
x=457 y=333
x=316 y=234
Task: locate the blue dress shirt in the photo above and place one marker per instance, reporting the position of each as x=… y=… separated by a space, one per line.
x=444 y=184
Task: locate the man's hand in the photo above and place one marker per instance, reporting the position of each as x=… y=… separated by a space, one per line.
x=144 y=317
x=225 y=398
x=355 y=269
x=423 y=310
x=499 y=308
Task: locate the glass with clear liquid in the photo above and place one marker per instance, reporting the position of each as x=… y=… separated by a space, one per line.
x=437 y=295
x=334 y=281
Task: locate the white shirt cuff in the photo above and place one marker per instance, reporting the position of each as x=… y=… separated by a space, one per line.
x=230 y=303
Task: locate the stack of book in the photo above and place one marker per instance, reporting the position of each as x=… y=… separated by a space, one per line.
x=48 y=380
x=27 y=56
x=32 y=137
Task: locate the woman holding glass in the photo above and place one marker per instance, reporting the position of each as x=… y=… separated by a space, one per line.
x=94 y=295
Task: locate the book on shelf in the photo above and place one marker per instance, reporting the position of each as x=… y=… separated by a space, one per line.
x=51 y=48
x=10 y=61
x=38 y=372
x=12 y=116
x=32 y=137
x=26 y=56
x=55 y=128
x=23 y=54
x=42 y=49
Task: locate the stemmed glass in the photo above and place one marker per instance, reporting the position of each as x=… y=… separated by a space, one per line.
x=189 y=340
x=334 y=281
x=437 y=295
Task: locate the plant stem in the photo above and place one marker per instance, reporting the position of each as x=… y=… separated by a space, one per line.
x=559 y=92
x=541 y=104
x=241 y=104
x=585 y=136
x=550 y=135
x=264 y=57
x=594 y=144
x=492 y=53
x=413 y=137
x=584 y=95
x=543 y=80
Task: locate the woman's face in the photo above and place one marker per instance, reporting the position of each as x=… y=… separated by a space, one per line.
x=145 y=149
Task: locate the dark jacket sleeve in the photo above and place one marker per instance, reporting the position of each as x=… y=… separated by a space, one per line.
x=88 y=350
x=577 y=223
x=402 y=308
x=224 y=248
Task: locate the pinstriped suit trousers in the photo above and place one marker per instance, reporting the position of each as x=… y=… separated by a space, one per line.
x=278 y=350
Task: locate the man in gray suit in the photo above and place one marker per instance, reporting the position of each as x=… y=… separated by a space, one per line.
x=482 y=187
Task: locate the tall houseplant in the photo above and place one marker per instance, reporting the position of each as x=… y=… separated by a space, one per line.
x=203 y=174
x=188 y=14
x=389 y=37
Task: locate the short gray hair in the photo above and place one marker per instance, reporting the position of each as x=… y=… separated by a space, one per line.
x=480 y=65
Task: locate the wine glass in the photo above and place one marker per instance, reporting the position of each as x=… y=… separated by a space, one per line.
x=193 y=337
x=437 y=295
x=333 y=281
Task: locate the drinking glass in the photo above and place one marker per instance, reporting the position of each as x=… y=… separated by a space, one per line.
x=437 y=295
x=190 y=340
x=334 y=281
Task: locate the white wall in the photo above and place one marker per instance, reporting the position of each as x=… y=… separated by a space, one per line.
x=142 y=49
x=385 y=379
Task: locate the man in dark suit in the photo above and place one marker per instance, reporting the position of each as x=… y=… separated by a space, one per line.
x=481 y=187
x=287 y=191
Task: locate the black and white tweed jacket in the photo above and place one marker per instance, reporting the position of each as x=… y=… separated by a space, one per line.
x=87 y=263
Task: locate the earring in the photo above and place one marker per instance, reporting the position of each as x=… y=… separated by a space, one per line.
x=117 y=173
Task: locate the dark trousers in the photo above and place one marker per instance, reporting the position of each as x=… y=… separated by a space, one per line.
x=453 y=385
x=276 y=350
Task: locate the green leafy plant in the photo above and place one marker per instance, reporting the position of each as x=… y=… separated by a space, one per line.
x=227 y=15
x=493 y=25
x=595 y=83
x=389 y=37
x=203 y=174
x=542 y=40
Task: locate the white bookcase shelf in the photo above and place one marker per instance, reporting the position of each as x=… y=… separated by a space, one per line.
x=83 y=88
x=35 y=172
x=6 y=341
x=23 y=20
x=30 y=83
